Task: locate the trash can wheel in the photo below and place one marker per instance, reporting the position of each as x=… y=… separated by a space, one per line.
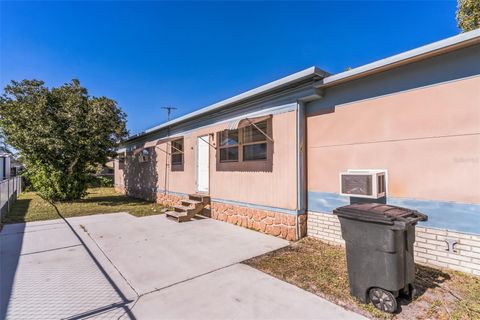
x=383 y=300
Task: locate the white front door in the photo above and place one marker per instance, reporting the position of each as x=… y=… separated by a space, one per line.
x=203 y=163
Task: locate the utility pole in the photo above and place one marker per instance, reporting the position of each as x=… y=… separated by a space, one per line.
x=169 y=111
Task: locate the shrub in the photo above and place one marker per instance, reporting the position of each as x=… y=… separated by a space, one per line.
x=55 y=185
x=100 y=182
x=60 y=133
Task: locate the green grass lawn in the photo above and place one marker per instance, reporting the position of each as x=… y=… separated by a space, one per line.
x=30 y=207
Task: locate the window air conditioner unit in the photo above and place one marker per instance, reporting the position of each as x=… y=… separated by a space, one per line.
x=371 y=184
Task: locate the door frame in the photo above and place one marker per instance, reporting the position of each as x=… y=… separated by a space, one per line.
x=207 y=142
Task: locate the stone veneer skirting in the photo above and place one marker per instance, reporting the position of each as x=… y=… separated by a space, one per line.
x=277 y=224
x=430 y=245
x=169 y=200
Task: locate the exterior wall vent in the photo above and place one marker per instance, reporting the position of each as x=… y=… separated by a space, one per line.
x=371 y=184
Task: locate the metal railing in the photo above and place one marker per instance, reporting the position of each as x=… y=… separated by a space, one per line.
x=9 y=190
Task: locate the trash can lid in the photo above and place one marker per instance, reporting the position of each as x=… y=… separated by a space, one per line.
x=380 y=213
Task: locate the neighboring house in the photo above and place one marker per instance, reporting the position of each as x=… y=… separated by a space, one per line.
x=270 y=158
x=106 y=170
x=10 y=166
x=16 y=167
x=5 y=164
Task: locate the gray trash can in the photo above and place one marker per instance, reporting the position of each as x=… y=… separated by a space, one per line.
x=379 y=242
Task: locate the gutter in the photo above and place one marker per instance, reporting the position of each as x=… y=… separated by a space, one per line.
x=321 y=79
x=269 y=88
x=443 y=46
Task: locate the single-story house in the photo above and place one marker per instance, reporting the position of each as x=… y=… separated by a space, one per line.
x=404 y=130
x=5 y=164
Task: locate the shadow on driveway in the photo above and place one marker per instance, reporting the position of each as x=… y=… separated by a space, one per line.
x=9 y=259
x=40 y=279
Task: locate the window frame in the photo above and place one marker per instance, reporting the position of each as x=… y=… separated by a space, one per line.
x=228 y=146
x=177 y=151
x=264 y=141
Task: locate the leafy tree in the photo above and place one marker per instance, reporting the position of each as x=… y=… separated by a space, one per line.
x=61 y=134
x=468 y=15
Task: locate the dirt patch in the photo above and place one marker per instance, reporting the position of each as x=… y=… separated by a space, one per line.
x=321 y=269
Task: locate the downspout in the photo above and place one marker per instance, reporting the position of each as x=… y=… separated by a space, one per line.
x=165 y=186
x=300 y=161
x=301 y=148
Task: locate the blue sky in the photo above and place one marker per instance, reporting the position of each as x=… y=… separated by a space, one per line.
x=147 y=55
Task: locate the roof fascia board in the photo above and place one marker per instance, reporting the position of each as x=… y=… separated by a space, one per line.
x=430 y=50
x=276 y=85
x=297 y=91
x=272 y=89
x=269 y=103
x=188 y=131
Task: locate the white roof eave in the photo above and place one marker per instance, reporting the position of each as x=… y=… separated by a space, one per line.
x=293 y=78
x=393 y=61
x=466 y=38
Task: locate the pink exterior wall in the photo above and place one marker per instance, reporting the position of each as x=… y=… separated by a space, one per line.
x=118 y=181
x=427 y=138
x=275 y=186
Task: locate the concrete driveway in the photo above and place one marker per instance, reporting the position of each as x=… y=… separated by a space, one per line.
x=118 y=266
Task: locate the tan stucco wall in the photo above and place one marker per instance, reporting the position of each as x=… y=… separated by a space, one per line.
x=427 y=138
x=275 y=187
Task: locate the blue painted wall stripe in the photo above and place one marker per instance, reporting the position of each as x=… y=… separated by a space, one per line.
x=179 y=194
x=256 y=206
x=235 y=203
x=462 y=217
